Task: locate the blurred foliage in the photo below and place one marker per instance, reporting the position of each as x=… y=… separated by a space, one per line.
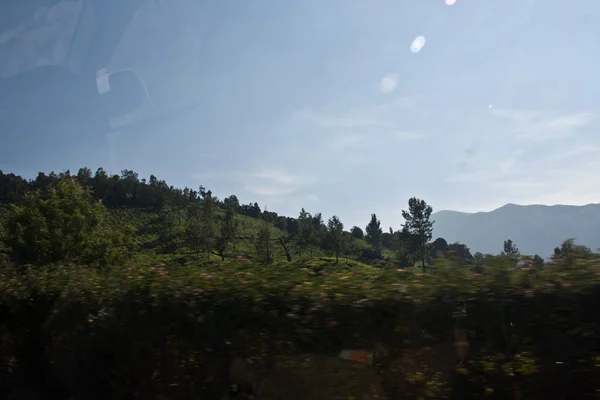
x=157 y=294
x=172 y=330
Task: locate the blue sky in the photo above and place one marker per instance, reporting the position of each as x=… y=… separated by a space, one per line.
x=324 y=105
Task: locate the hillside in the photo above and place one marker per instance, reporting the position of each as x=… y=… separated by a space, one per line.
x=151 y=236
x=104 y=278
x=536 y=229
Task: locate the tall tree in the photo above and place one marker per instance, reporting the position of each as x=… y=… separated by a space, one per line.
x=335 y=230
x=418 y=223
x=511 y=250
x=193 y=228
x=208 y=222
x=227 y=231
x=374 y=233
x=263 y=243
x=306 y=231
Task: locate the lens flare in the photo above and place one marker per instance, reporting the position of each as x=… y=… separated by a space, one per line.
x=417 y=44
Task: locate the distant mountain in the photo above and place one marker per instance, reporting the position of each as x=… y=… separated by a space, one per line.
x=535 y=229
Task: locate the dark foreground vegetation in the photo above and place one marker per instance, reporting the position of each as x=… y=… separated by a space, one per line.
x=139 y=290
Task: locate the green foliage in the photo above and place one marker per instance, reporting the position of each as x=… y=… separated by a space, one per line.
x=164 y=323
x=64 y=223
x=373 y=234
x=568 y=250
x=357 y=233
x=511 y=250
x=538 y=261
x=227 y=231
x=461 y=253
x=306 y=232
x=179 y=324
x=418 y=223
x=263 y=244
x=335 y=237
x=193 y=229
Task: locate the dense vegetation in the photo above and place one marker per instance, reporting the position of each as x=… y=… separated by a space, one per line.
x=118 y=287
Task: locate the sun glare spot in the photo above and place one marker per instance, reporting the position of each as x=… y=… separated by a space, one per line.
x=417 y=44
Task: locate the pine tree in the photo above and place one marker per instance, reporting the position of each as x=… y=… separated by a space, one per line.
x=263 y=243
x=208 y=222
x=511 y=250
x=227 y=231
x=418 y=224
x=335 y=230
x=373 y=234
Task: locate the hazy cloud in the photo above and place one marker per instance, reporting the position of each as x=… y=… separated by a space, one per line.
x=274 y=182
x=351 y=141
x=380 y=115
x=408 y=135
x=344 y=120
x=543 y=125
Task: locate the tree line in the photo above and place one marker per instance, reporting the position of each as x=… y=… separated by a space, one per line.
x=60 y=216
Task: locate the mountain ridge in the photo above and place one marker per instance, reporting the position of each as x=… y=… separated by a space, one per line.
x=518 y=205
x=535 y=228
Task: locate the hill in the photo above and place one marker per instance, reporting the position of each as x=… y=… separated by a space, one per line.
x=536 y=229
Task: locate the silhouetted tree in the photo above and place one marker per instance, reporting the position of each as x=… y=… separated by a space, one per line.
x=373 y=234
x=357 y=233
x=511 y=250
x=418 y=223
x=335 y=230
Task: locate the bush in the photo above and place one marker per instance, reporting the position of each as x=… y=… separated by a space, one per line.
x=170 y=332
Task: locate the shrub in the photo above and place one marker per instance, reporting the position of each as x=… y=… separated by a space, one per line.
x=170 y=332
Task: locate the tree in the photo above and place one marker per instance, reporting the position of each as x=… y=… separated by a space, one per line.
x=406 y=245
x=166 y=219
x=84 y=176
x=439 y=247
x=538 y=261
x=478 y=259
x=306 y=231
x=208 y=222
x=418 y=223
x=387 y=239
x=568 y=251
x=357 y=233
x=227 y=231
x=193 y=228
x=63 y=223
x=12 y=188
x=374 y=233
x=286 y=245
x=511 y=250
x=461 y=251
x=232 y=201
x=263 y=243
x=335 y=230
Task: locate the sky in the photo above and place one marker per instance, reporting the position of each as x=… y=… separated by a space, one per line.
x=351 y=107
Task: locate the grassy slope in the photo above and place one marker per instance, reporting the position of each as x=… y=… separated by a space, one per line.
x=149 y=227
